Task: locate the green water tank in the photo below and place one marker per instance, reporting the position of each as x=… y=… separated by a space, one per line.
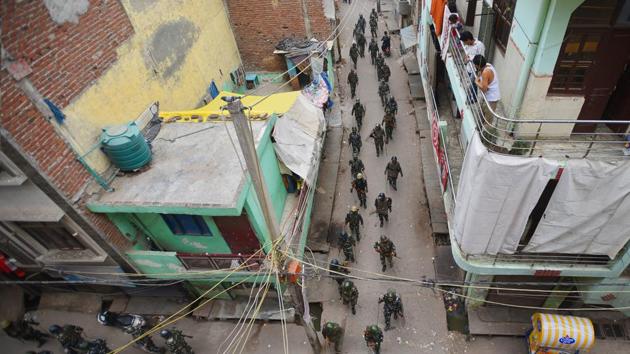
x=126 y=147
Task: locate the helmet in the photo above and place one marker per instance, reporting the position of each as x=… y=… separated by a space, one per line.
x=373 y=328
x=383 y=237
x=394 y=158
x=354 y=208
x=334 y=262
x=5 y=324
x=381 y=195
x=165 y=333
x=54 y=329
x=358 y=100
x=347 y=284
x=359 y=175
x=354 y=129
x=391 y=292
x=378 y=125
x=354 y=157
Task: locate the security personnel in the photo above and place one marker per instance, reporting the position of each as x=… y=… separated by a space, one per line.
x=390 y=123
x=356 y=166
x=379 y=136
x=361 y=186
x=373 y=48
x=374 y=24
x=383 y=92
x=354 y=54
x=392 y=306
x=347 y=246
x=333 y=334
x=380 y=60
x=353 y=81
x=373 y=338
x=70 y=337
x=392 y=106
x=361 y=23
x=355 y=140
x=358 y=111
x=23 y=330
x=383 y=207
x=175 y=341
x=354 y=219
x=386 y=249
x=334 y=268
x=361 y=42
x=350 y=295
x=392 y=170
x=385 y=72
x=146 y=342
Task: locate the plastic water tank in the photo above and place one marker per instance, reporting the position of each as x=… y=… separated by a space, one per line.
x=126 y=147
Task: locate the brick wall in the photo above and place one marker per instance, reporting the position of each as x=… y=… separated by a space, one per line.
x=64 y=59
x=259 y=29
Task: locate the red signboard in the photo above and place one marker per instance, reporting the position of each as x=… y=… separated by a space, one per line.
x=439 y=151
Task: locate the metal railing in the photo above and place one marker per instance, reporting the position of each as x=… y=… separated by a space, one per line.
x=532 y=137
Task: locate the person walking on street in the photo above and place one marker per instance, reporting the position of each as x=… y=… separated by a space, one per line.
x=378 y=135
x=373 y=336
x=390 y=123
x=353 y=80
x=392 y=306
x=358 y=110
x=374 y=26
x=361 y=42
x=334 y=268
x=354 y=54
x=392 y=106
x=356 y=166
x=386 y=45
x=24 y=330
x=383 y=206
x=347 y=246
x=175 y=341
x=383 y=92
x=350 y=295
x=361 y=23
x=360 y=185
x=385 y=72
x=392 y=170
x=355 y=140
x=386 y=249
x=333 y=334
x=373 y=48
x=355 y=220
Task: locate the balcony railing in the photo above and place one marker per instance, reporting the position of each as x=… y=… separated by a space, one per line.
x=550 y=138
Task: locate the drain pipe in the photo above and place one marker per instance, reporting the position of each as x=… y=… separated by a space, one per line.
x=543 y=21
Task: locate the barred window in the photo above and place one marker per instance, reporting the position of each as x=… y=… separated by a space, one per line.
x=503 y=15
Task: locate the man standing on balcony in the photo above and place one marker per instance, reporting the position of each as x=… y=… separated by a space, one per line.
x=472 y=46
x=488 y=82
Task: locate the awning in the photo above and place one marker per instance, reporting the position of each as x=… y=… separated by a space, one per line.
x=408 y=37
x=27 y=203
x=298 y=136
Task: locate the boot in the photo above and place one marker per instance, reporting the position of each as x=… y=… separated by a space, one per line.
x=354 y=310
x=384 y=267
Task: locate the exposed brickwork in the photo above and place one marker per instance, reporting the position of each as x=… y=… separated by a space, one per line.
x=259 y=29
x=65 y=60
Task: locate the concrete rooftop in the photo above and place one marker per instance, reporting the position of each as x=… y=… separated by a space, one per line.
x=194 y=165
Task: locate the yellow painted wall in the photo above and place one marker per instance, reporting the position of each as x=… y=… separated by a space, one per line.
x=177 y=49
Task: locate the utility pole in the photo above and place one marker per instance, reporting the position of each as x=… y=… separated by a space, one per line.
x=248 y=148
x=338 y=33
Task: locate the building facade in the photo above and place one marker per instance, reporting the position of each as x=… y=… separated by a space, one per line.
x=534 y=190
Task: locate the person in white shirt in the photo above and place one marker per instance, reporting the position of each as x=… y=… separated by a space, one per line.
x=472 y=46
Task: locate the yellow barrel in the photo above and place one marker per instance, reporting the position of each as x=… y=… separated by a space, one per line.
x=569 y=333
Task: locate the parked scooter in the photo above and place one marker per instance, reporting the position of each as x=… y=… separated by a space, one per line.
x=136 y=325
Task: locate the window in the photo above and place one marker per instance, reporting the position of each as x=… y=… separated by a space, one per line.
x=190 y=225
x=52 y=235
x=576 y=57
x=503 y=15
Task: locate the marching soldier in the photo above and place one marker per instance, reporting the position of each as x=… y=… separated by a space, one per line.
x=385 y=247
x=383 y=92
x=333 y=334
x=23 y=330
x=392 y=306
x=356 y=166
x=354 y=219
x=347 y=246
x=145 y=342
x=358 y=110
x=175 y=341
x=70 y=337
x=389 y=121
x=360 y=185
x=392 y=106
x=392 y=170
x=373 y=48
x=385 y=72
x=354 y=54
x=334 y=268
x=374 y=24
x=353 y=80
x=383 y=207
x=350 y=295
x=361 y=23
x=378 y=135
x=373 y=338
x=361 y=42
x=380 y=60
x=355 y=140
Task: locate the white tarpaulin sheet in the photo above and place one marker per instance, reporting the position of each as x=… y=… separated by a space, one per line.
x=298 y=138
x=495 y=196
x=408 y=37
x=589 y=211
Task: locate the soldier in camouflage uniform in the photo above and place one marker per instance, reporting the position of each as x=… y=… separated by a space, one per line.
x=347 y=246
x=378 y=135
x=383 y=92
x=353 y=81
x=175 y=341
x=334 y=268
x=356 y=166
x=358 y=111
x=145 y=342
x=392 y=106
x=373 y=338
x=374 y=24
x=392 y=170
x=390 y=123
x=385 y=72
x=373 y=48
x=383 y=207
x=355 y=140
x=353 y=218
x=386 y=249
x=333 y=333
x=361 y=42
x=354 y=54
x=70 y=337
x=350 y=295
x=380 y=60
x=392 y=306
x=23 y=330
x=361 y=186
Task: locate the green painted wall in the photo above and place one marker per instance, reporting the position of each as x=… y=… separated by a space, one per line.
x=162 y=235
x=273 y=178
x=134 y=231
x=257 y=220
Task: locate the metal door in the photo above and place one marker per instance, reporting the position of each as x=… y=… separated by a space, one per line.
x=238 y=233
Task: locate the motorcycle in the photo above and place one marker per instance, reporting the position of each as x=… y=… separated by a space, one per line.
x=132 y=324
